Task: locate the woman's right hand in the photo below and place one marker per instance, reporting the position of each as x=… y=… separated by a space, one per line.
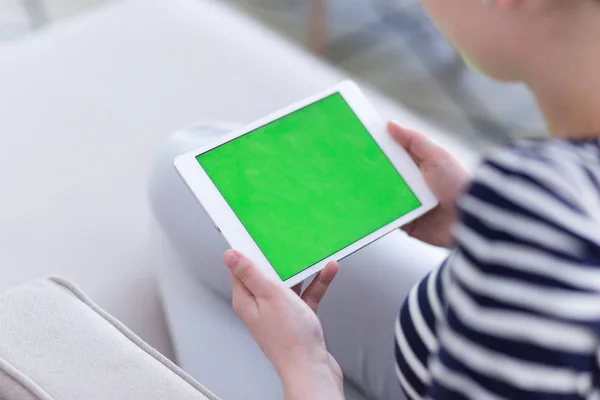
x=447 y=178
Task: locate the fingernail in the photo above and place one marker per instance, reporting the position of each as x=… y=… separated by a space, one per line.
x=231 y=258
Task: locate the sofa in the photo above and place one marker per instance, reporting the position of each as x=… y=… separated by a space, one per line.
x=85 y=106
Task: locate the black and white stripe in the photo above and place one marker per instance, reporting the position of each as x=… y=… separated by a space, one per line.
x=514 y=313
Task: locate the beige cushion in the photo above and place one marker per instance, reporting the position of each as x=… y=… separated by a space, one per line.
x=57 y=344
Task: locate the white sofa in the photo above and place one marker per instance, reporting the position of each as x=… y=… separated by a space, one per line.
x=85 y=104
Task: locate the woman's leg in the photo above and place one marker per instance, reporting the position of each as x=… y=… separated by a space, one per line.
x=358 y=313
x=360 y=309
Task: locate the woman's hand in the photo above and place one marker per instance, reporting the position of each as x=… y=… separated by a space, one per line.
x=284 y=324
x=447 y=179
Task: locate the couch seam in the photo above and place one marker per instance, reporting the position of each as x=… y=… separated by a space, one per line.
x=136 y=340
x=23 y=380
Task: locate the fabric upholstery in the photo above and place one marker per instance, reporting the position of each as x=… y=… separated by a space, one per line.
x=55 y=343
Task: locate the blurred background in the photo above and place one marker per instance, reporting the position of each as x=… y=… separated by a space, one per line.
x=388 y=43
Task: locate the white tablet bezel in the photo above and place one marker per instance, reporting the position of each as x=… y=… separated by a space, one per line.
x=226 y=221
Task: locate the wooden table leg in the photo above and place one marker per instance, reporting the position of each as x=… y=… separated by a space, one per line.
x=317 y=26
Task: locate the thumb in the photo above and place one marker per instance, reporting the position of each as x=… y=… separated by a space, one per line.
x=255 y=280
x=418 y=146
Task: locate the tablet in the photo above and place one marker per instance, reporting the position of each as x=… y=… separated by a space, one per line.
x=308 y=184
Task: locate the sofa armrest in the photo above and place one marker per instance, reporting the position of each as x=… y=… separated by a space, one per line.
x=55 y=343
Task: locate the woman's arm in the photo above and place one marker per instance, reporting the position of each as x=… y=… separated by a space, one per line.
x=316 y=381
x=523 y=308
x=285 y=325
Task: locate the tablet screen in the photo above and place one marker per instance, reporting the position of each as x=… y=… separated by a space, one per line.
x=309 y=184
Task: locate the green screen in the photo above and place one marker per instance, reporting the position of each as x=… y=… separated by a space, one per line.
x=309 y=184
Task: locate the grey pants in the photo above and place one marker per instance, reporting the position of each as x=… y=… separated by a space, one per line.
x=358 y=313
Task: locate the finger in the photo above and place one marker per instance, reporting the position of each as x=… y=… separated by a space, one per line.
x=243 y=302
x=238 y=288
x=298 y=288
x=255 y=281
x=315 y=292
x=409 y=228
x=418 y=146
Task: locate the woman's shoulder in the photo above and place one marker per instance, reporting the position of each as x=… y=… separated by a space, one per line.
x=548 y=186
x=558 y=155
x=553 y=152
x=543 y=170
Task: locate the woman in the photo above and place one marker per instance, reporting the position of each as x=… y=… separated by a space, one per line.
x=515 y=311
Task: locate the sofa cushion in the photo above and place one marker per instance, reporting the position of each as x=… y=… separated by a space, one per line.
x=55 y=343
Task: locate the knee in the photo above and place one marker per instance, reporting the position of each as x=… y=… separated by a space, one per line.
x=167 y=193
x=177 y=213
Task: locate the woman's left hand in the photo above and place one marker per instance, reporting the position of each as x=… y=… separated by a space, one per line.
x=285 y=325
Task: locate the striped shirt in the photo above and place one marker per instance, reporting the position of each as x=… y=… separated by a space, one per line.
x=514 y=312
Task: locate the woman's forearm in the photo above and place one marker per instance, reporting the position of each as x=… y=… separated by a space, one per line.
x=315 y=383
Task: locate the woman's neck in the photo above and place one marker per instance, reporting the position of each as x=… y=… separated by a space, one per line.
x=571 y=103
x=565 y=80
